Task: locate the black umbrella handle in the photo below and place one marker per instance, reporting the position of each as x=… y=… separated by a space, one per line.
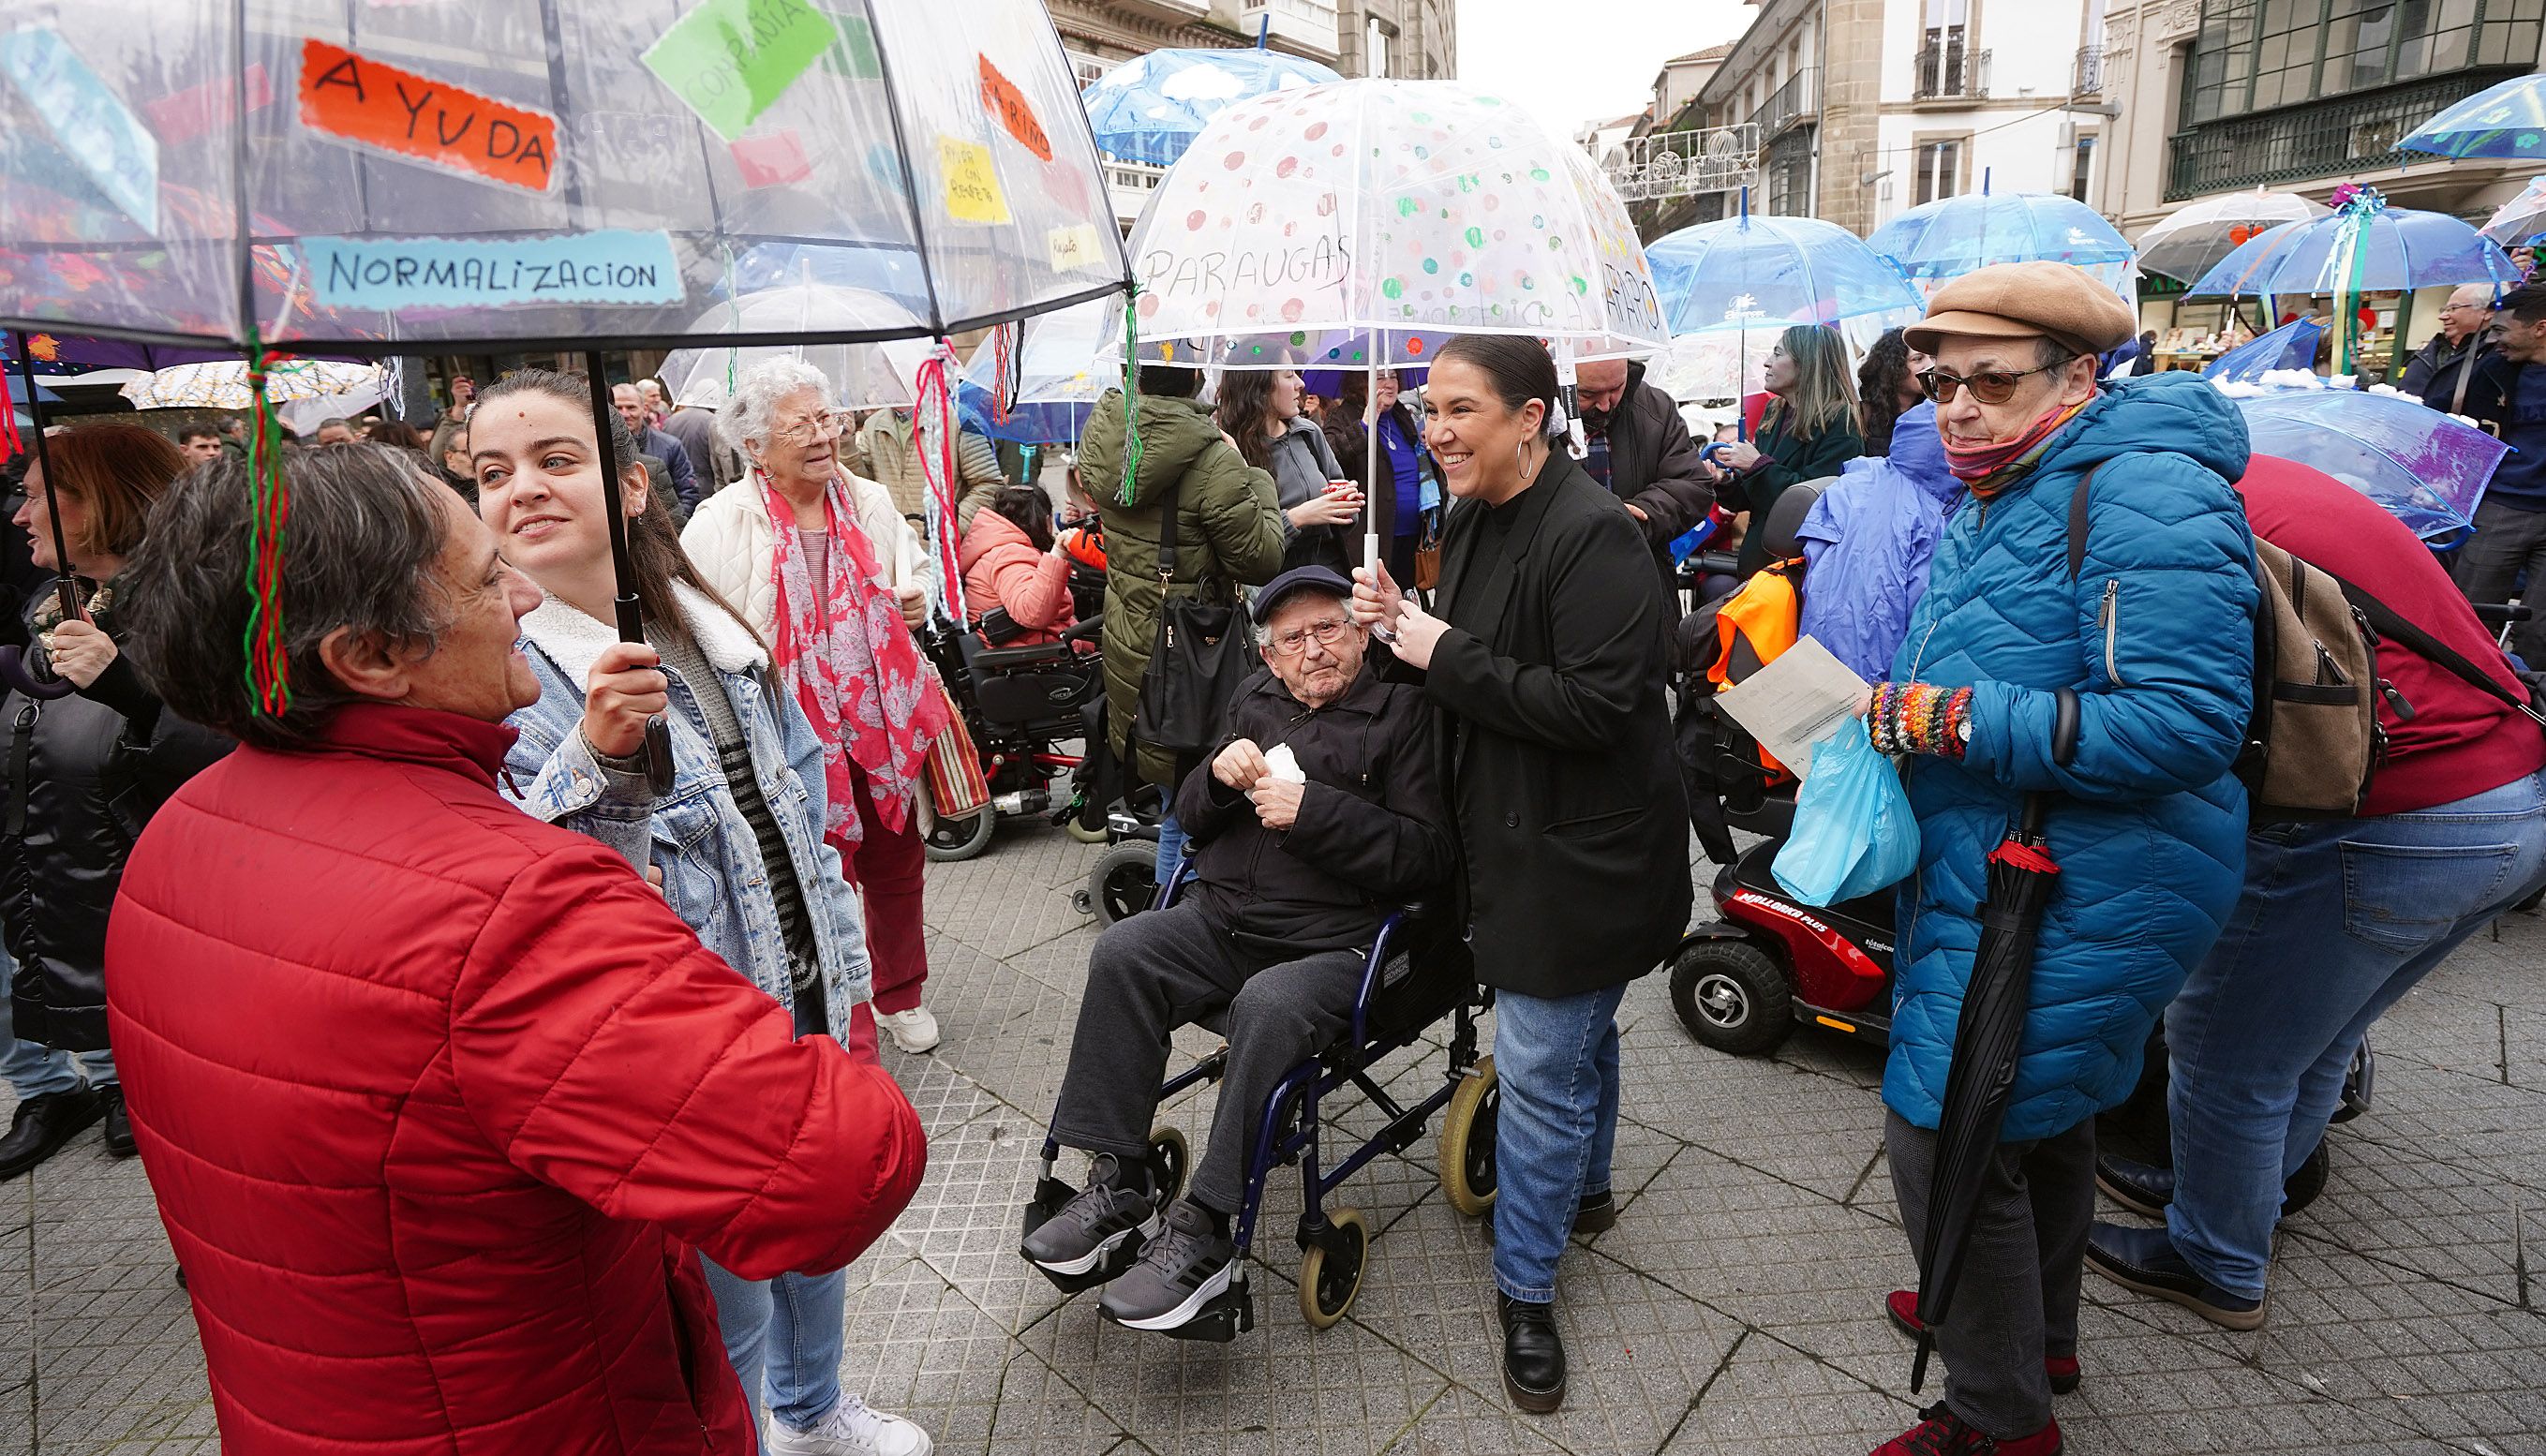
x=630 y=612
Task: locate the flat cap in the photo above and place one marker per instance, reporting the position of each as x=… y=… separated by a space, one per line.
x=1322 y=580
x=2017 y=300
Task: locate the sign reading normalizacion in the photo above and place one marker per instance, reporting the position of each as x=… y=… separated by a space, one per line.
x=1001 y=99
x=611 y=265
x=730 y=61
x=371 y=103
x=89 y=121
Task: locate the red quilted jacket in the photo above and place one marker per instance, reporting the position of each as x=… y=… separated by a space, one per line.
x=437 y=1098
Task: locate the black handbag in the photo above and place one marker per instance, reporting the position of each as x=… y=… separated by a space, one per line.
x=1201 y=655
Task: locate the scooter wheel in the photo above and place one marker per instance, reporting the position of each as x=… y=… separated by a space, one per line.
x=1082 y=833
x=1125 y=882
x=1733 y=996
x=946 y=841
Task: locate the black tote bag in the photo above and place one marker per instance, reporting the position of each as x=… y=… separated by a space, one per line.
x=1201 y=655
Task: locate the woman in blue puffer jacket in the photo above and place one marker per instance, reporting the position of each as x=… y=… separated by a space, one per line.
x=2155 y=636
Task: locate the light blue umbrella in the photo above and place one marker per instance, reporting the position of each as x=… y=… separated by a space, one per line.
x=2504 y=120
x=1151 y=108
x=2364 y=246
x=1939 y=241
x=2291 y=346
x=2424 y=468
x=1793 y=268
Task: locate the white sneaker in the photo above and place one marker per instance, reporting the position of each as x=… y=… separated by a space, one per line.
x=853 y=1428
x=914 y=1030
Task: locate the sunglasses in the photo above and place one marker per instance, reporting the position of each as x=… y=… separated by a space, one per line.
x=1989 y=386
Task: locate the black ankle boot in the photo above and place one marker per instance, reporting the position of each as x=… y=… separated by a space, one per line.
x=1533 y=1354
x=44 y=1124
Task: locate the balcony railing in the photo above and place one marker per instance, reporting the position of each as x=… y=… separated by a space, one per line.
x=1674 y=163
x=1798 y=100
x=2318 y=139
x=1949 y=72
x=2087 y=77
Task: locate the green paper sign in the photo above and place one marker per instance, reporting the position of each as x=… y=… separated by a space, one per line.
x=730 y=61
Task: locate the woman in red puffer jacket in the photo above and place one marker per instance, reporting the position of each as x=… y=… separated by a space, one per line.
x=1008 y=561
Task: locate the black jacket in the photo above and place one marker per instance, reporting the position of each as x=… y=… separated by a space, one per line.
x=2434 y=374
x=1653 y=466
x=1573 y=821
x=84 y=774
x=1785 y=461
x=1371 y=831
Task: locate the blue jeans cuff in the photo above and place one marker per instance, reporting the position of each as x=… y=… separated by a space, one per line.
x=1526 y=1294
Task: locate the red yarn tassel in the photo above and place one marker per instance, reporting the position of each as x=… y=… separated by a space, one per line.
x=269 y=669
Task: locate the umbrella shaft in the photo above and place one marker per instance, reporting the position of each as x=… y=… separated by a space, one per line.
x=632 y=617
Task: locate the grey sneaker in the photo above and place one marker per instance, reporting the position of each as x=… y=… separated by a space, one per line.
x=1089 y=1228
x=1183 y=1270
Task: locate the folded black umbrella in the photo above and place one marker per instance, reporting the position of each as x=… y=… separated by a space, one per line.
x=1982 y=1077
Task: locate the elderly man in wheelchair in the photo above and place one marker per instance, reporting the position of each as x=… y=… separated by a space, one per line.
x=1319 y=814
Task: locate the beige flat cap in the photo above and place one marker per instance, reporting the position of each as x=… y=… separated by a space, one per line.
x=2016 y=301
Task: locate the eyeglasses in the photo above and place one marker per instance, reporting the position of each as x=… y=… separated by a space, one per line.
x=829 y=424
x=1989 y=386
x=1325 y=633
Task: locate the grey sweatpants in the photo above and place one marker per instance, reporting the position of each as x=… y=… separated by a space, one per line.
x=2508 y=540
x=1157 y=971
x=2018 y=1299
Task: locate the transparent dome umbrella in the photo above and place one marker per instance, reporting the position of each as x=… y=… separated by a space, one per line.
x=2291 y=346
x=1939 y=241
x=1375 y=218
x=570 y=174
x=1151 y=108
x=863 y=375
x=2504 y=120
x=1721 y=361
x=1795 y=268
x=2426 y=469
x=223 y=383
x=2191 y=240
x=2521 y=219
x=1052 y=378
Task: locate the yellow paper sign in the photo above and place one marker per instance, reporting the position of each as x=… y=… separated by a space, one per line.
x=971 y=181
x=1079 y=246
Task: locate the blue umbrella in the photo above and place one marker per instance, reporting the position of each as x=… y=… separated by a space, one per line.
x=2291 y=346
x=1793 y=268
x=2426 y=469
x=2504 y=120
x=1151 y=108
x=2365 y=246
x=1942 y=241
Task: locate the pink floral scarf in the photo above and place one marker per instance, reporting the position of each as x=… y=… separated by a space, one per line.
x=852 y=665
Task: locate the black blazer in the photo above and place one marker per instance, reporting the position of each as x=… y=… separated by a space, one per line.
x=1571 y=818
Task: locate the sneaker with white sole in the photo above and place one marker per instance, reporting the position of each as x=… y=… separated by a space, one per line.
x=1100 y=1219
x=853 y=1428
x=914 y=1030
x=1183 y=1270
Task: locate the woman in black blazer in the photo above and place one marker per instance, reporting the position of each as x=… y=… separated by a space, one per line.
x=1546 y=658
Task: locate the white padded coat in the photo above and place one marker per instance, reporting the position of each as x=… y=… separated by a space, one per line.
x=729 y=540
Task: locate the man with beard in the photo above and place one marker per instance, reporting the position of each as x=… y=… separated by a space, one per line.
x=1641 y=452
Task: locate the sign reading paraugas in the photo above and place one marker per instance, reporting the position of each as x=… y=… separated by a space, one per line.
x=390 y=273
x=728 y=60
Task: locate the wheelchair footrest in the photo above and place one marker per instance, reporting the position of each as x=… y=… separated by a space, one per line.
x=1223 y=1320
x=1049 y=1194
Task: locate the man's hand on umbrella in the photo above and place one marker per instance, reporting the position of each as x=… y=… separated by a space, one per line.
x=1375 y=598
x=81 y=651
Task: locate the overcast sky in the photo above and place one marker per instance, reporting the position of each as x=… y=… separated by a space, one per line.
x=1572 y=61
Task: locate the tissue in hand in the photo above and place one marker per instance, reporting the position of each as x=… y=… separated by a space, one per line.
x=1284 y=764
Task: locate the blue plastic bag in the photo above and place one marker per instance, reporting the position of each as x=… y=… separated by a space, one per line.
x=1853 y=831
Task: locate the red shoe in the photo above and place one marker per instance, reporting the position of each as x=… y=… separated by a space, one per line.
x=1902 y=1305
x=1941 y=1432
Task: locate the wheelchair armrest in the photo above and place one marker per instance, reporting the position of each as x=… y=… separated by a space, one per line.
x=1374 y=975
x=1001 y=659
x=1084 y=630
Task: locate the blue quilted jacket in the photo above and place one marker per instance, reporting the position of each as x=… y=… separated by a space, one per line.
x=2148 y=824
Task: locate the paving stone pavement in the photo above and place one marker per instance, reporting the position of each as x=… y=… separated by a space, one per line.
x=1735 y=1307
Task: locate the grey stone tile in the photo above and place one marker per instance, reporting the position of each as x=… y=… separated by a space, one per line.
x=966 y=1222
x=1460 y=1422
x=917 y=1347
x=1767 y=1398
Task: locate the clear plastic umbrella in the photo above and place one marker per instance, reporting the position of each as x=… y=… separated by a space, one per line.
x=223 y=383
x=2291 y=346
x=1799 y=268
x=2191 y=240
x=2428 y=469
x=1937 y=242
x=1052 y=378
x=2521 y=219
x=2504 y=120
x=1151 y=108
x=862 y=375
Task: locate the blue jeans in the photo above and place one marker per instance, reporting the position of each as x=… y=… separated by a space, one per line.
x=2339 y=919
x=1172 y=846
x=1556 y=1063
x=33 y=1070
x=783 y=1337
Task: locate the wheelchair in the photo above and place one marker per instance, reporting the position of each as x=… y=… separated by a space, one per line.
x=1416 y=973
x=1021 y=706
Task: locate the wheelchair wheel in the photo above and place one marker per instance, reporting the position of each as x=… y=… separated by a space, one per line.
x=949 y=840
x=1168 y=1161
x=1082 y=833
x=1331 y=1277
x=1468 y=1142
x=1732 y=996
x=1124 y=882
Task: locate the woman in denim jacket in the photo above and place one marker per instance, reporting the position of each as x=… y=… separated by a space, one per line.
x=737 y=841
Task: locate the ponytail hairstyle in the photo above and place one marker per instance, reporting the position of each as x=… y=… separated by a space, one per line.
x=654 y=555
x=1029 y=509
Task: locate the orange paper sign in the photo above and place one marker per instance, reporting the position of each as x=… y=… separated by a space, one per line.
x=1001 y=98
x=374 y=104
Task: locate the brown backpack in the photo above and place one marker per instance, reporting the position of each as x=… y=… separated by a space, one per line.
x=2313 y=738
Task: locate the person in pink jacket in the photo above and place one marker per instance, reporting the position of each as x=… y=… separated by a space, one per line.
x=1009 y=562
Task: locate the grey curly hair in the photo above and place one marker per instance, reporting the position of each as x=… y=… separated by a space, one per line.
x=754 y=411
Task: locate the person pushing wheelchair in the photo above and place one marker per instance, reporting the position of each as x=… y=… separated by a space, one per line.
x=1320 y=814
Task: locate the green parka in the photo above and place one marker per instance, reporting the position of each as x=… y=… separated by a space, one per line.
x=1229 y=533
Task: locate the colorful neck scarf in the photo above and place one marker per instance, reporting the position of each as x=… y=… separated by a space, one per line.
x=1974 y=465
x=851 y=664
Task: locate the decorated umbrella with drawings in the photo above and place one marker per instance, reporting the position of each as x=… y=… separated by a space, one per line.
x=1360 y=223
x=2504 y=120
x=582 y=174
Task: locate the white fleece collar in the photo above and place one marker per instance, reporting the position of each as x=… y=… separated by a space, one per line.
x=576 y=642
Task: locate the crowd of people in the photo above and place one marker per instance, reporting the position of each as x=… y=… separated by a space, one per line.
x=418 y=994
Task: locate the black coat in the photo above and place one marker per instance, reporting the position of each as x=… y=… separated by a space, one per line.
x=1655 y=465
x=2437 y=368
x=84 y=773
x=1372 y=832
x=1573 y=821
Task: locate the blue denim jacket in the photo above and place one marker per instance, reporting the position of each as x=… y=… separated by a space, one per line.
x=712 y=874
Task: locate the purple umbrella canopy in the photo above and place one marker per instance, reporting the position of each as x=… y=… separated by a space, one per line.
x=2425 y=468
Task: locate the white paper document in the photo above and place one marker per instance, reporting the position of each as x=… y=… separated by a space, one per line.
x=1794 y=702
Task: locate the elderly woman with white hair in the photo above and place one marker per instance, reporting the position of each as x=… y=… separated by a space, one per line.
x=819 y=562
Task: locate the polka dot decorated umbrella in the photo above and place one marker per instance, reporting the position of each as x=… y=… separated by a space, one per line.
x=577 y=175
x=1360 y=223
